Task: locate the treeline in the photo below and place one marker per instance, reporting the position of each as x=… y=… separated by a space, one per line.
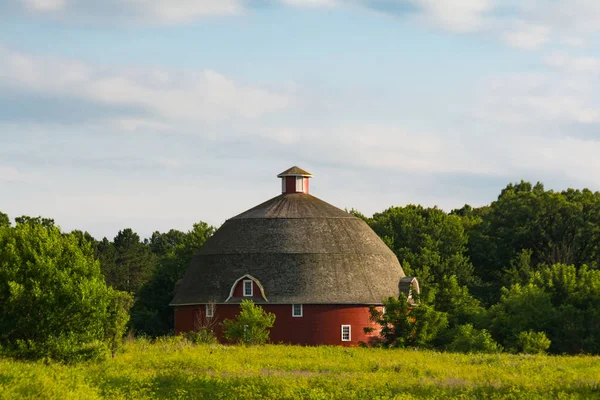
x=521 y=274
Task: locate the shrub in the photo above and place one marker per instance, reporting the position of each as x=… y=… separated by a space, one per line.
x=530 y=342
x=54 y=302
x=251 y=326
x=201 y=336
x=470 y=340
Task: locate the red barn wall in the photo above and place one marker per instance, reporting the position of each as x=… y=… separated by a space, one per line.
x=238 y=291
x=320 y=323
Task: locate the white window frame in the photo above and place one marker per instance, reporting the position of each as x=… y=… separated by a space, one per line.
x=251 y=288
x=349 y=333
x=283 y=185
x=210 y=310
x=294 y=310
x=299 y=184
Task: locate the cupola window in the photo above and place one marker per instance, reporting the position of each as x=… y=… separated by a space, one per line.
x=248 y=288
x=296 y=310
x=294 y=180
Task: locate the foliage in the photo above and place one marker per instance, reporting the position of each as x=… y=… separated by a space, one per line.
x=151 y=313
x=521 y=308
x=531 y=342
x=428 y=242
x=127 y=263
x=203 y=335
x=404 y=325
x=554 y=227
x=118 y=308
x=53 y=300
x=4 y=219
x=456 y=301
x=172 y=368
x=251 y=326
x=470 y=340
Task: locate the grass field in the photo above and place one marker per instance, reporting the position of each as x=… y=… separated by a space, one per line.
x=173 y=369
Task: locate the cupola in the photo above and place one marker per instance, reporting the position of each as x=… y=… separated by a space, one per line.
x=294 y=180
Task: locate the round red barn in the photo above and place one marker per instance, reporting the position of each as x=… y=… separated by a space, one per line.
x=317 y=268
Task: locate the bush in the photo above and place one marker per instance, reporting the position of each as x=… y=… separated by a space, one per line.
x=531 y=342
x=202 y=336
x=470 y=340
x=250 y=326
x=54 y=302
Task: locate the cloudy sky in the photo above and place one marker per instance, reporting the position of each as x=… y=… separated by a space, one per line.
x=154 y=114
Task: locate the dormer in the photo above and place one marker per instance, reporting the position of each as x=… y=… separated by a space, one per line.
x=294 y=180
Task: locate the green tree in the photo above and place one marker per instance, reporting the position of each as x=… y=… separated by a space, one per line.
x=553 y=227
x=53 y=299
x=467 y=339
x=404 y=325
x=456 y=301
x=4 y=219
x=428 y=242
x=531 y=342
x=521 y=308
x=127 y=263
x=251 y=326
x=162 y=244
x=151 y=313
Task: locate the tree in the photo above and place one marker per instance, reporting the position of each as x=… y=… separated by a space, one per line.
x=467 y=339
x=555 y=227
x=151 y=313
x=4 y=220
x=127 y=263
x=456 y=301
x=531 y=342
x=251 y=326
x=403 y=325
x=521 y=308
x=162 y=244
x=53 y=299
x=428 y=242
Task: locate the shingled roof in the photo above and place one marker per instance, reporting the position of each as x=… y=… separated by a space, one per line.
x=301 y=249
x=295 y=171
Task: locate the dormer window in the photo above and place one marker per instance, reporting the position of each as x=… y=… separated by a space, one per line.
x=296 y=310
x=248 y=288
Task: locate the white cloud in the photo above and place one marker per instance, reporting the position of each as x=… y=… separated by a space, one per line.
x=527 y=36
x=158 y=11
x=165 y=94
x=44 y=5
x=10 y=174
x=311 y=3
x=457 y=15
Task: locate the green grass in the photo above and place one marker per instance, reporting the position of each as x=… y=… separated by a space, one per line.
x=174 y=369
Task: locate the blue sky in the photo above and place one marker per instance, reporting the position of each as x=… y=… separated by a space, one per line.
x=155 y=114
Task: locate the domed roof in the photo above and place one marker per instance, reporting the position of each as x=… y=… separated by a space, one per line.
x=301 y=250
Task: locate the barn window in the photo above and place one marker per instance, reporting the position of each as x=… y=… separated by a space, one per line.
x=296 y=310
x=210 y=310
x=345 y=333
x=248 y=288
x=299 y=184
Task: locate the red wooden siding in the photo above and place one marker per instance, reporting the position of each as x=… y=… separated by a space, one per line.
x=320 y=323
x=238 y=291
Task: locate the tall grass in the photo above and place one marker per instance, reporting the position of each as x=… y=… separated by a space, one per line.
x=175 y=369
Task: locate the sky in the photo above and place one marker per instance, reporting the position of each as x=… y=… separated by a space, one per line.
x=156 y=114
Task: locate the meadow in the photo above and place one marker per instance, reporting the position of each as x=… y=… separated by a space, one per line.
x=173 y=368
